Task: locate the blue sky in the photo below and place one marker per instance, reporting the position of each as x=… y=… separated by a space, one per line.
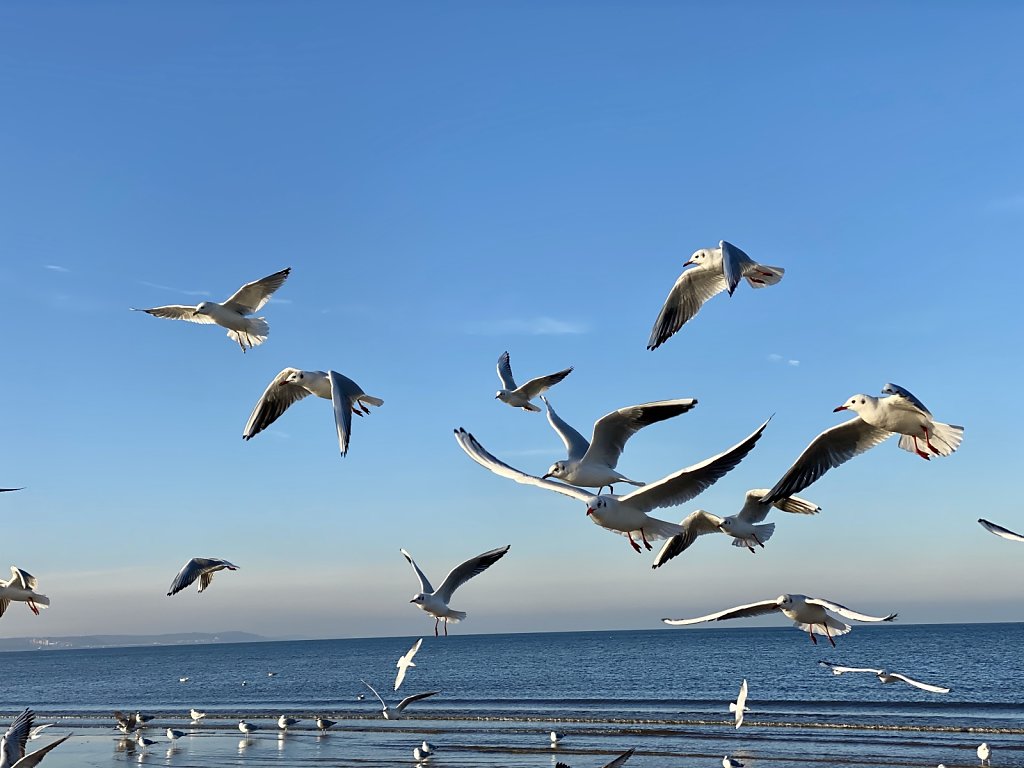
x=451 y=180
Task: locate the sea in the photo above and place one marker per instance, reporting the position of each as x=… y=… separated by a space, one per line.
x=664 y=693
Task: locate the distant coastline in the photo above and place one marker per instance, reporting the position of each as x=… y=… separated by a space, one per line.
x=72 y=642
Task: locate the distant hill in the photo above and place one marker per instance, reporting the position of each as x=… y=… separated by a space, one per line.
x=124 y=641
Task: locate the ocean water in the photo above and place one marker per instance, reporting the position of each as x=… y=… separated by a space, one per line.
x=665 y=692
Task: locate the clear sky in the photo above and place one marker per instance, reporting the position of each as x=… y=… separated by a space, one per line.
x=451 y=180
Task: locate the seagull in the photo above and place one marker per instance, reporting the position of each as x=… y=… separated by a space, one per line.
x=741 y=526
x=419 y=755
x=125 y=723
x=808 y=613
x=8 y=490
x=360 y=696
x=621 y=759
x=271 y=674
x=593 y=464
x=246 y=727
x=627 y=514
x=520 y=397
x=142 y=741
x=201 y=568
x=184 y=679
x=248 y=332
x=15 y=740
x=21 y=588
x=739 y=707
x=984 y=753
x=877 y=419
x=142 y=720
x=731 y=762
x=555 y=738
x=998 y=530
x=395 y=713
x=405 y=662
x=324 y=724
x=714 y=270
x=427 y=748
x=885 y=677
x=291 y=385
x=196 y=715
x=284 y=722
x=173 y=735
x=435 y=601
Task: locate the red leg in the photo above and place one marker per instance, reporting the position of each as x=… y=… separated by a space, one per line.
x=632 y=543
x=928 y=441
x=646 y=543
x=919 y=452
x=34 y=608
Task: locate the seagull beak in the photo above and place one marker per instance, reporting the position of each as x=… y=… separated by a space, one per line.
x=413 y=600
x=688 y=262
x=590 y=511
x=545 y=477
x=840 y=408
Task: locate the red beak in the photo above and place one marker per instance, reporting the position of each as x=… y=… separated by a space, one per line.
x=840 y=408
x=590 y=510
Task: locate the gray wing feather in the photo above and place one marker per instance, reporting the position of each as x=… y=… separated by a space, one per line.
x=177 y=312
x=831 y=448
x=374 y=692
x=739 y=612
x=195 y=568
x=505 y=372
x=906 y=394
x=536 y=386
x=691 y=290
x=252 y=297
x=4 y=604
x=460 y=574
x=575 y=444
x=734 y=261
x=343 y=390
x=415 y=697
x=754 y=511
x=274 y=401
x=848 y=613
x=919 y=684
x=838 y=670
x=613 y=430
x=621 y=759
x=30 y=761
x=16 y=738
x=26 y=579
x=998 y=530
x=691 y=481
x=696 y=524
x=425 y=587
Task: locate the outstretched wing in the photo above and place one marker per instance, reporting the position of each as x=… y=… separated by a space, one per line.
x=848 y=613
x=621 y=759
x=906 y=394
x=425 y=587
x=505 y=372
x=276 y=399
x=343 y=390
x=696 y=524
x=754 y=511
x=613 y=430
x=405 y=662
x=480 y=455
x=415 y=697
x=25 y=579
x=189 y=572
x=998 y=530
x=919 y=684
x=536 y=386
x=460 y=574
x=177 y=312
x=12 y=747
x=741 y=703
x=576 y=445
x=739 y=612
x=251 y=297
x=374 y=692
x=688 y=483
x=691 y=290
x=838 y=670
x=831 y=448
x=30 y=761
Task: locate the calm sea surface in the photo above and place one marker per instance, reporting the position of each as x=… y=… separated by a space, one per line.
x=665 y=692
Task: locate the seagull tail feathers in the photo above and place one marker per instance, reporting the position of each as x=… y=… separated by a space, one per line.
x=371 y=400
x=759 y=275
x=944 y=439
x=256 y=331
x=835 y=627
x=763 y=533
x=455 y=616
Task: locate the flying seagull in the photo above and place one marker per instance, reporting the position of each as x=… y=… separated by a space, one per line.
x=877 y=419
x=714 y=270
x=404 y=662
x=808 y=613
x=291 y=385
x=248 y=332
x=14 y=743
x=739 y=707
x=21 y=588
x=435 y=601
x=395 y=713
x=998 y=530
x=885 y=676
x=592 y=464
x=627 y=514
x=201 y=568
x=520 y=397
x=742 y=526
x=620 y=760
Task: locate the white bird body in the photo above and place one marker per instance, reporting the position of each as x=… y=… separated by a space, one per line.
x=808 y=613
x=13 y=744
x=885 y=676
x=984 y=753
x=556 y=737
x=293 y=384
x=592 y=464
x=520 y=396
x=142 y=741
x=405 y=662
x=744 y=527
x=284 y=722
x=20 y=588
x=324 y=724
x=201 y=568
x=714 y=270
x=396 y=712
x=739 y=707
x=247 y=332
x=174 y=735
x=435 y=602
x=627 y=514
x=196 y=715
x=246 y=727
x=731 y=762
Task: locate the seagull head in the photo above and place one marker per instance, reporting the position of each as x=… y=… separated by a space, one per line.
x=699 y=258
x=726 y=525
x=293 y=377
x=203 y=308
x=597 y=504
x=855 y=403
x=785 y=600
x=418 y=599
x=555 y=470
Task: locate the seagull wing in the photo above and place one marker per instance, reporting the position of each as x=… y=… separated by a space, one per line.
x=838 y=670
x=733 y=262
x=374 y=692
x=30 y=761
x=536 y=386
x=205 y=578
x=739 y=612
x=905 y=394
x=460 y=574
x=343 y=390
x=23 y=577
x=405 y=662
x=741 y=703
x=4 y=602
x=621 y=759
x=12 y=747
x=189 y=572
x=696 y=524
x=177 y=312
x=7 y=490
x=847 y=613
x=425 y=587
x=754 y=511
x=918 y=684
x=613 y=430
x=251 y=297
x=480 y=455
x=691 y=481
x=415 y=697
x=276 y=399
x=998 y=530
x=505 y=372
x=831 y=448
x=576 y=445
x=691 y=290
